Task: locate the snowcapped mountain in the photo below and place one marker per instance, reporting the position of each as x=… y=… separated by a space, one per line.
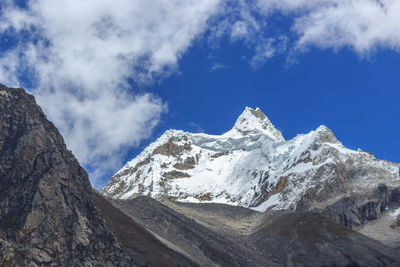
x=252 y=165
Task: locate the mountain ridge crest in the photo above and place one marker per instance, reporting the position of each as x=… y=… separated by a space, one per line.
x=251 y=165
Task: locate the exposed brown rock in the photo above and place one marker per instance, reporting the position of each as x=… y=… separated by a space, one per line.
x=186 y=165
x=258 y=113
x=164 y=165
x=280 y=186
x=175 y=174
x=121 y=184
x=172 y=149
x=204 y=197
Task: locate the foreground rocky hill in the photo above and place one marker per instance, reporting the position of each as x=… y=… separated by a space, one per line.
x=48 y=216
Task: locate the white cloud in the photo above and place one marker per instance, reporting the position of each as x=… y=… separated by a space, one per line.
x=195 y=127
x=217 y=67
x=268 y=48
x=237 y=21
x=363 y=25
x=239 y=30
x=80 y=55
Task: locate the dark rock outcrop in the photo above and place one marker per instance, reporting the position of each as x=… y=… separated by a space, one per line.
x=47 y=213
x=313 y=239
x=356 y=209
x=342 y=199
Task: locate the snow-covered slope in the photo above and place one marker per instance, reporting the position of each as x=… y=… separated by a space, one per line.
x=251 y=165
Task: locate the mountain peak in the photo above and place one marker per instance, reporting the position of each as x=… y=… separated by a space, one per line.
x=326 y=135
x=255 y=121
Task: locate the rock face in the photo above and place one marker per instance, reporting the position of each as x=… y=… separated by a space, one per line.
x=312 y=239
x=47 y=214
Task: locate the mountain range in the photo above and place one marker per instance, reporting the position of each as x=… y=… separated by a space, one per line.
x=244 y=198
x=253 y=166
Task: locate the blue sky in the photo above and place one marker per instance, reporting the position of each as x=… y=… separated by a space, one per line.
x=114 y=75
x=357 y=98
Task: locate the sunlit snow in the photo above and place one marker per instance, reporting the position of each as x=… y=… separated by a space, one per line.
x=243 y=165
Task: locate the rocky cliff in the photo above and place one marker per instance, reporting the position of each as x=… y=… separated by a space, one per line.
x=47 y=214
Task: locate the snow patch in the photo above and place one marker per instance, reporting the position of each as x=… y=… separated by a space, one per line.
x=271 y=202
x=395 y=213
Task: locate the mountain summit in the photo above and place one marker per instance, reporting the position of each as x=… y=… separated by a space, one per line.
x=255 y=122
x=251 y=165
x=197 y=166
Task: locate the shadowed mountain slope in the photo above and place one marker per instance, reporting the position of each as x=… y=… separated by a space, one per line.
x=200 y=243
x=137 y=239
x=223 y=235
x=48 y=216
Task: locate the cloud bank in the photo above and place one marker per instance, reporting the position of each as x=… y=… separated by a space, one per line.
x=362 y=25
x=80 y=55
x=87 y=62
